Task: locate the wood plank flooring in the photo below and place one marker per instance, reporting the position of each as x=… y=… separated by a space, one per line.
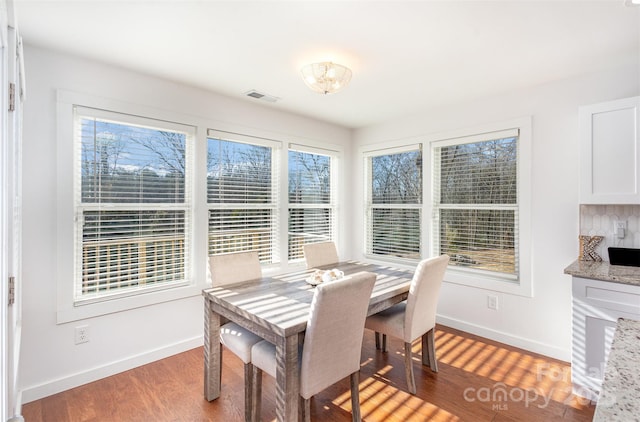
x=478 y=380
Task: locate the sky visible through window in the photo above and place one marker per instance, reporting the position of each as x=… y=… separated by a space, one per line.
x=125 y=163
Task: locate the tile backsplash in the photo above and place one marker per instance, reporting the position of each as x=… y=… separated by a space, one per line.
x=597 y=220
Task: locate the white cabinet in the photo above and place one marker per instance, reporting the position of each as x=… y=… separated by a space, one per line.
x=610 y=152
x=597 y=305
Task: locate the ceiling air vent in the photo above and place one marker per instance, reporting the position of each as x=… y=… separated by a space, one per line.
x=260 y=96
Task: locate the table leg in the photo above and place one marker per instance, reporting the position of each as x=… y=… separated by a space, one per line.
x=287 y=379
x=212 y=353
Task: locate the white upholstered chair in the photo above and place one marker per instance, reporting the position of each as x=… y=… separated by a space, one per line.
x=415 y=317
x=320 y=254
x=332 y=344
x=235 y=268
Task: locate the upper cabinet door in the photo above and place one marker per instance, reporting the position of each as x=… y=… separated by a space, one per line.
x=610 y=153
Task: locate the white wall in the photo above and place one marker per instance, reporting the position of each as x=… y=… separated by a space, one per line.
x=51 y=362
x=541 y=323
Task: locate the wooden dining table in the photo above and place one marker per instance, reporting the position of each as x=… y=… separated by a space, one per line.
x=277 y=308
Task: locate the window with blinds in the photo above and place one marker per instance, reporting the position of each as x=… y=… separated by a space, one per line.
x=394 y=202
x=475 y=184
x=133 y=203
x=242 y=195
x=311 y=204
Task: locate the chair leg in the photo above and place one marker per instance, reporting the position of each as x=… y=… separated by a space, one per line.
x=355 y=397
x=256 y=392
x=248 y=391
x=305 y=407
x=429 y=350
x=382 y=347
x=408 y=368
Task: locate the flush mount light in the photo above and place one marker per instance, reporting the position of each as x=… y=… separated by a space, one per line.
x=632 y=2
x=326 y=77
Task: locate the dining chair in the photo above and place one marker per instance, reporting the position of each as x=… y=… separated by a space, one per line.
x=415 y=317
x=332 y=344
x=320 y=254
x=235 y=268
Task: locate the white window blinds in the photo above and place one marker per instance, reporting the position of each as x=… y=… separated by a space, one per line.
x=476 y=201
x=242 y=182
x=311 y=204
x=133 y=203
x=394 y=198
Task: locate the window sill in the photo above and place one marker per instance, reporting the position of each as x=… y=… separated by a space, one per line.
x=485 y=281
x=81 y=311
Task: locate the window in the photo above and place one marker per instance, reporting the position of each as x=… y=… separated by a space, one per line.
x=475 y=202
x=132 y=202
x=394 y=202
x=311 y=203
x=242 y=187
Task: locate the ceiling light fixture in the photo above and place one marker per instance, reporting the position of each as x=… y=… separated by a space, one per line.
x=326 y=77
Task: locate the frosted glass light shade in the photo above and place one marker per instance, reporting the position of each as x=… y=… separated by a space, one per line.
x=326 y=77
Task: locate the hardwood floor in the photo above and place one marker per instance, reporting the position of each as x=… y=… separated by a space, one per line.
x=478 y=380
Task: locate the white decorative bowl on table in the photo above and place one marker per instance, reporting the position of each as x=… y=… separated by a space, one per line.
x=323 y=276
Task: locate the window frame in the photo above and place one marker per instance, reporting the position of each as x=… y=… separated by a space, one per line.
x=82 y=207
x=333 y=191
x=367 y=156
x=522 y=284
x=273 y=205
x=65 y=223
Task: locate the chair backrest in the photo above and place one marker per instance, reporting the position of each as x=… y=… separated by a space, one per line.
x=333 y=340
x=420 y=316
x=234 y=267
x=320 y=254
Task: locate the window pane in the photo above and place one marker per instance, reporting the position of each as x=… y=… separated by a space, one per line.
x=308 y=225
x=132 y=205
x=309 y=178
x=397 y=178
x=479 y=173
x=395 y=190
x=238 y=173
x=395 y=232
x=481 y=239
x=131 y=249
x=476 y=204
x=242 y=211
x=122 y=163
x=311 y=217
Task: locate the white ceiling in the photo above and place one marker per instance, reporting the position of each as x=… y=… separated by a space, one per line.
x=406 y=56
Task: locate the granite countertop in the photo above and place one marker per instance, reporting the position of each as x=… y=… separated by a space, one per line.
x=620 y=396
x=605 y=272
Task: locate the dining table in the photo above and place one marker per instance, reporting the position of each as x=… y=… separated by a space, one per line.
x=277 y=309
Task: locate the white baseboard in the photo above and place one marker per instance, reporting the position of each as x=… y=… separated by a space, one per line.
x=510 y=339
x=37 y=392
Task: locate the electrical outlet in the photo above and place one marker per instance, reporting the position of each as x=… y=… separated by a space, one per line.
x=619 y=228
x=82 y=334
x=492 y=302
